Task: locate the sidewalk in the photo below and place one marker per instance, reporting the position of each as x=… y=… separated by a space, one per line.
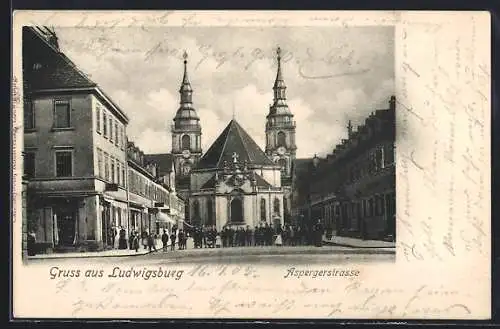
x=358 y=243
x=104 y=253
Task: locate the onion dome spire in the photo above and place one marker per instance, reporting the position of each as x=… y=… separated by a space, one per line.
x=186 y=111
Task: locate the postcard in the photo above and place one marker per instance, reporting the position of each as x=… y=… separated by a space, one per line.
x=251 y=165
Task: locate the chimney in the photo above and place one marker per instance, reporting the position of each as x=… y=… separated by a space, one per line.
x=392 y=103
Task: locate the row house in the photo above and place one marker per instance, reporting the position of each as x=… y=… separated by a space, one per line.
x=352 y=190
x=75 y=154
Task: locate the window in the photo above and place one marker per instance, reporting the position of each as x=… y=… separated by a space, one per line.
x=389 y=154
x=277 y=206
x=29 y=116
x=196 y=210
x=98 y=119
x=124 y=139
x=113 y=170
x=281 y=139
x=110 y=129
x=105 y=125
x=209 y=212
x=106 y=166
x=118 y=173
x=29 y=164
x=117 y=140
x=62 y=115
x=186 y=142
x=282 y=164
x=123 y=175
x=64 y=163
x=100 y=168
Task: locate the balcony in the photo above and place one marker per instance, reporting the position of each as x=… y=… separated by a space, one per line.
x=185 y=128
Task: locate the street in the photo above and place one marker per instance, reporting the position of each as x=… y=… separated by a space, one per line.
x=267 y=255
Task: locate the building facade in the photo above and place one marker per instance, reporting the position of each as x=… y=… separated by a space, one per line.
x=352 y=190
x=69 y=124
x=77 y=160
x=280 y=137
x=235 y=183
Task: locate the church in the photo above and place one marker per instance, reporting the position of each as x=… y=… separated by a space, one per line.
x=235 y=182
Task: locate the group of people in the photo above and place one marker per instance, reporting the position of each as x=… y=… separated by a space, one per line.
x=264 y=234
x=117 y=237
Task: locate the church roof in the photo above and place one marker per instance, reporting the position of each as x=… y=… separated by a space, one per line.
x=233 y=139
x=163 y=160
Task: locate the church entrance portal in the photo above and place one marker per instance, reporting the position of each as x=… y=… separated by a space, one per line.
x=236 y=211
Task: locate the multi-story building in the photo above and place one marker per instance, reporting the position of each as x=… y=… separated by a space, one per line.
x=83 y=179
x=74 y=148
x=150 y=198
x=352 y=190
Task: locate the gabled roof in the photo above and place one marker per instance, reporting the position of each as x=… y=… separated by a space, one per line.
x=57 y=71
x=163 y=160
x=233 y=139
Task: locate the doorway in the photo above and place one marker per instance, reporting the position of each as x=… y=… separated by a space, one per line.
x=66 y=226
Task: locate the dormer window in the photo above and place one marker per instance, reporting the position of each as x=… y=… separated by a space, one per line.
x=37 y=66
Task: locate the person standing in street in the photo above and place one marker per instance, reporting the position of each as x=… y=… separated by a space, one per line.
x=151 y=242
x=164 y=240
x=173 y=237
x=135 y=242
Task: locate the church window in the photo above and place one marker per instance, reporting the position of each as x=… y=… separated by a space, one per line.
x=277 y=206
x=209 y=212
x=236 y=210
x=196 y=211
x=282 y=163
x=186 y=142
x=281 y=139
x=263 y=210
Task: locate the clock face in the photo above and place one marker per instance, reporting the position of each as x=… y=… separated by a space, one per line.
x=186 y=153
x=281 y=150
x=186 y=169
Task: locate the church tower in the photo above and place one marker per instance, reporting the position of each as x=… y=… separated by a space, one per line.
x=280 y=129
x=186 y=134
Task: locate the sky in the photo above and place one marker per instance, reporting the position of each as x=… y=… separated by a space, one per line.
x=332 y=74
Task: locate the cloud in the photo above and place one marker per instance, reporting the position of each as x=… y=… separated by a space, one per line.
x=141 y=69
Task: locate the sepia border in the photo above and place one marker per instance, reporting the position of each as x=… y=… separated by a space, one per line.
x=417 y=21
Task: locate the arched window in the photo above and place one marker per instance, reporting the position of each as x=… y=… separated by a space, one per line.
x=236 y=211
x=196 y=211
x=277 y=206
x=282 y=163
x=263 y=210
x=281 y=139
x=186 y=142
x=209 y=212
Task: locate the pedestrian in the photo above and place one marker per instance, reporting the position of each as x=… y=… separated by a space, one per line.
x=181 y=240
x=151 y=242
x=144 y=237
x=173 y=237
x=122 y=240
x=135 y=242
x=217 y=240
x=279 y=241
x=164 y=240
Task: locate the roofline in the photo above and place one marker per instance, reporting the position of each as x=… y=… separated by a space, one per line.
x=94 y=89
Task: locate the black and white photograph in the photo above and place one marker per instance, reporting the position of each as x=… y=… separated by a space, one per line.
x=235 y=141
x=250 y=164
